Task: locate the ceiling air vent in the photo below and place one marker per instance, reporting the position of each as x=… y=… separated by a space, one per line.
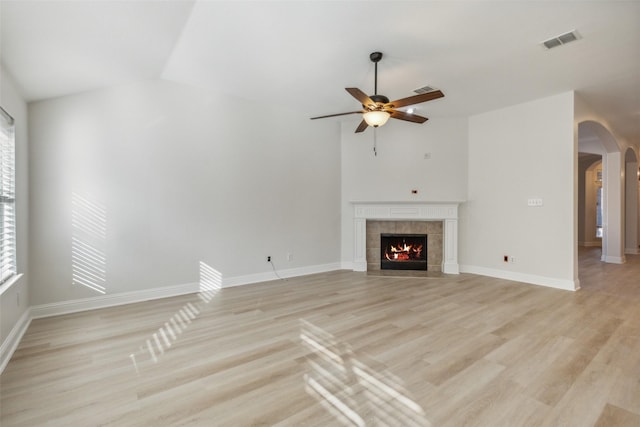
x=424 y=89
x=565 y=38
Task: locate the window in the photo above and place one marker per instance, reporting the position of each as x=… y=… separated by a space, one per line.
x=599 y=232
x=7 y=198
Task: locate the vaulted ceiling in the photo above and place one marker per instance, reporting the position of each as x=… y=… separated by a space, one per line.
x=302 y=54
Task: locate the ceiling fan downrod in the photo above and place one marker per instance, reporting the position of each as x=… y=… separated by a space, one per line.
x=375 y=58
x=377 y=99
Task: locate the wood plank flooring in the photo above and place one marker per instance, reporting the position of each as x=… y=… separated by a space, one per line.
x=343 y=348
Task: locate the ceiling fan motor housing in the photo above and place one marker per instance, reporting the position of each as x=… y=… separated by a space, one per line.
x=378 y=99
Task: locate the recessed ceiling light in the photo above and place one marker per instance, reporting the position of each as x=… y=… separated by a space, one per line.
x=562 y=39
x=410 y=110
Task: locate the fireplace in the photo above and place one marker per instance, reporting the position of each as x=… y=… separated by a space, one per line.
x=437 y=219
x=403 y=251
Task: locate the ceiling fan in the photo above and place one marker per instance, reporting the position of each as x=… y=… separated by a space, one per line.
x=377 y=109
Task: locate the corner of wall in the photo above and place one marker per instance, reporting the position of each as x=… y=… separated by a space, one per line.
x=14 y=300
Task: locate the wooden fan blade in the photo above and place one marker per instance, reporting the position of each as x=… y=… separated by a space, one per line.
x=360 y=96
x=416 y=99
x=339 y=114
x=362 y=126
x=401 y=115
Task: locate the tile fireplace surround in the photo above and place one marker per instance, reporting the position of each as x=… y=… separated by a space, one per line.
x=446 y=212
x=432 y=250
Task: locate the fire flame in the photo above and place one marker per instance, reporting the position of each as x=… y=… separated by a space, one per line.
x=403 y=252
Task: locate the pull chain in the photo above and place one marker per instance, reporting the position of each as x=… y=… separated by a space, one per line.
x=375 y=141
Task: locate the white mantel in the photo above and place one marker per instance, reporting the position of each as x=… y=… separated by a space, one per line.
x=447 y=212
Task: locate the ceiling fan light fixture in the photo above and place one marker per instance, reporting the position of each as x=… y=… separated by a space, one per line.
x=376 y=118
x=377 y=109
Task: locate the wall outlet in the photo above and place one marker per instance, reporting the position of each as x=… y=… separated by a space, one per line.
x=269 y=258
x=512 y=259
x=505 y=258
x=289 y=256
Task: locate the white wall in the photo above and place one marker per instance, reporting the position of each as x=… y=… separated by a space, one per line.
x=400 y=166
x=14 y=301
x=183 y=176
x=631 y=203
x=516 y=153
x=613 y=208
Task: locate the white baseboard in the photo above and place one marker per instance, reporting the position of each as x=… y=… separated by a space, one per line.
x=229 y=282
x=614 y=259
x=103 y=301
x=632 y=251
x=551 y=282
x=8 y=347
x=347 y=265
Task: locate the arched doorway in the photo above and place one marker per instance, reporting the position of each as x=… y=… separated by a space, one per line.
x=594 y=138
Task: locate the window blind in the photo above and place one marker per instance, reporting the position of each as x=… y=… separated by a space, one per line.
x=7 y=198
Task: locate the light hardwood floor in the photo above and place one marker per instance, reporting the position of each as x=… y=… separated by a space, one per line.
x=343 y=348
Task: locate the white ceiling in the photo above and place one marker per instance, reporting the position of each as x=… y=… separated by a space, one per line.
x=483 y=55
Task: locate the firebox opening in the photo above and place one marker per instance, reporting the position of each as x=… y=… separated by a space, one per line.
x=403 y=251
